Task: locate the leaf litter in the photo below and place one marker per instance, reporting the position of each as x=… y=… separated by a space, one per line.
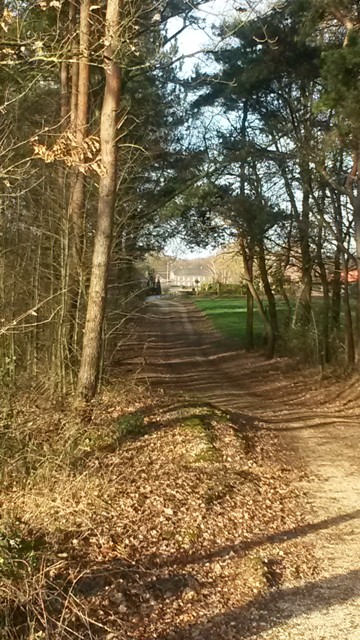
x=155 y=531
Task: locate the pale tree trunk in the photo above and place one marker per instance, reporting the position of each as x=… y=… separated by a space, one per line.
x=64 y=93
x=284 y=263
x=90 y=359
x=326 y=292
x=250 y=303
x=79 y=121
x=66 y=114
x=336 y=291
x=302 y=221
x=306 y=259
x=250 y=249
x=74 y=65
x=336 y=282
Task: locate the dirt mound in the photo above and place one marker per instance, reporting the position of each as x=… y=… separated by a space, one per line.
x=149 y=519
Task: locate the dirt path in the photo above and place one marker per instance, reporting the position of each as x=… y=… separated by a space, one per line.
x=184 y=354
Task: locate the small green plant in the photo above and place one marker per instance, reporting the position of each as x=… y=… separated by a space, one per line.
x=17 y=554
x=190 y=536
x=131 y=426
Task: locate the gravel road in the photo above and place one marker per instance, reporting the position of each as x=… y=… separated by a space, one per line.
x=180 y=352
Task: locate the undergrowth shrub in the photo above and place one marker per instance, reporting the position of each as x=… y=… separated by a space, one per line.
x=54 y=492
x=301 y=343
x=131 y=426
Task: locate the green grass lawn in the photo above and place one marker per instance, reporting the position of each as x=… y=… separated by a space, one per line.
x=228 y=316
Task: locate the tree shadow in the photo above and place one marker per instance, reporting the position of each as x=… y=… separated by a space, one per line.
x=249 y=545
x=267 y=612
x=121 y=587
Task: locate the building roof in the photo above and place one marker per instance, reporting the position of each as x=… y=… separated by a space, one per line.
x=189 y=268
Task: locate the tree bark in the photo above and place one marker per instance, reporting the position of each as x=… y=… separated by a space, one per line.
x=79 y=121
x=90 y=360
x=302 y=220
x=250 y=303
x=356 y=216
x=269 y=333
x=336 y=291
x=250 y=252
x=326 y=293
x=306 y=259
x=349 y=332
x=267 y=288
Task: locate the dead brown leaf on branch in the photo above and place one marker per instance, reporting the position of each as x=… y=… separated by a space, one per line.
x=85 y=156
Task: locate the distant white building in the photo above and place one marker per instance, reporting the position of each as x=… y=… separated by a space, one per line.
x=186 y=273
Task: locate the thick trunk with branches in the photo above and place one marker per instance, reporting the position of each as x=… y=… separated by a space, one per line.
x=91 y=353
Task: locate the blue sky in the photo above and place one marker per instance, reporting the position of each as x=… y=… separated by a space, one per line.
x=191 y=41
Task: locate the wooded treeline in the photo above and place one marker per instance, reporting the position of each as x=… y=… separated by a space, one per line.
x=281 y=113
x=89 y=127
x=106 y=151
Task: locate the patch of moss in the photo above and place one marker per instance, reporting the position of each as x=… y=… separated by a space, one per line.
x=131 y=426
x=194 y=423
x=208 y=454
x=202 y=425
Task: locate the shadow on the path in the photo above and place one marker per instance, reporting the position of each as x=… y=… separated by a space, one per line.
x=244 y=547
x=268 y=612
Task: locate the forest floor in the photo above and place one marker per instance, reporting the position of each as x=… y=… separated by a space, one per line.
x=206 y=494
x=317 y=422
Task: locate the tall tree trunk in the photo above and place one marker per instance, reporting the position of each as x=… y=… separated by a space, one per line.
x=284 y=263
x=267 y=288
x=64 y=93
x=74 y=64
x=306 y=259
x=250 y=251
x=336 y=291
x=90 y=360
x=356 y=215
x=249 y=320
x=269 y=332
x=336 y=281
x=79 y=120
x=250 y=302
x=343 y=246
x=349 y=333
x=326 y=293
x=302 y=220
